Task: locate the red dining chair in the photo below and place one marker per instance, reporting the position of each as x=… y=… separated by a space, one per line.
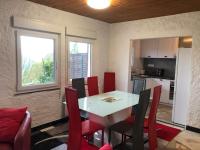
x=109 y=82
x=93 y=88
x=150 y=122
x=78 y=129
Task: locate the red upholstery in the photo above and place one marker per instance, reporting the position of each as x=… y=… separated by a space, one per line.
x=8 y=130
x=75 y=137
x=130 y=119
x=76 y=140
x=109 y=82
x=16 y=114
x=86 y=146
x=152 y=118
x=22 y=139
x=146 y=123
x=93 y=88
x=106 y=147
x=90 y=127
x=10 y=121
x=5 y=146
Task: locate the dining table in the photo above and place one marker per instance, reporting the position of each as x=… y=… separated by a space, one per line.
x=109 y=108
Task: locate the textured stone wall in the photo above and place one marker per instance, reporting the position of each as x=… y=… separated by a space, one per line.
x=44 y=106
x=170 y=26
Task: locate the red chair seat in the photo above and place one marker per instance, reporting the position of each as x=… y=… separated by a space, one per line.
x=86 y=146
x=5 y=146
x=106 y=147
x=131 y=119
x=90 y=127
x=146 y=123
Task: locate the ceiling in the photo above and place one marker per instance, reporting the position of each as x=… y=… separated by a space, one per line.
x=125 y=10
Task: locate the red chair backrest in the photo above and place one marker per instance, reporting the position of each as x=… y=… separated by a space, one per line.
x=152 y=118
x=154 y=105
x=109 y=82
x=74 y=141
x=93 y=88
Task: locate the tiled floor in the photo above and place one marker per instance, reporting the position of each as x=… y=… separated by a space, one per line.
x=164 y=113
x=186 y=140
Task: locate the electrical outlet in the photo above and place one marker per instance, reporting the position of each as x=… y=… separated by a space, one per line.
x=150 y=65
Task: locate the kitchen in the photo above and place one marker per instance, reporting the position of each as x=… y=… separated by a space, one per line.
x=166 y=62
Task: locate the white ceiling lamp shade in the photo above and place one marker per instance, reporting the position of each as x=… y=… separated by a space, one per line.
x=99 y=4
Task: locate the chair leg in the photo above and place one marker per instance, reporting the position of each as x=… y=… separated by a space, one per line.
x=122 y=138
x=102 y=138
x=109 y=136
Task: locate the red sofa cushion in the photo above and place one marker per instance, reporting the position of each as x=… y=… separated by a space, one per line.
x=5 y=146
x=10 y=121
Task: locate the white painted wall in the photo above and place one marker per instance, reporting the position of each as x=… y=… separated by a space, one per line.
x=44 y=106
x=169 y=26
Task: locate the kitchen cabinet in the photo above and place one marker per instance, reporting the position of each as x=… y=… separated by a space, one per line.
x=165 y=91
x=167 y=47
x=159 y=48
x=152 y=82
x=149 y=48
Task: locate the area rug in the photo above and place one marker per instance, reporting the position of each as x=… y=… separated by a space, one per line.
x=166 y=133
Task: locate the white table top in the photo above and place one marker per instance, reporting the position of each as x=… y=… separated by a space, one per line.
x=96 y=105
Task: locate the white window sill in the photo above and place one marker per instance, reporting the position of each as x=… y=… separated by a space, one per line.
x=37 y=90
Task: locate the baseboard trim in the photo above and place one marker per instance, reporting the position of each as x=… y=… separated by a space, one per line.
x=53 y=123
x=193 y=129
x=171 y=123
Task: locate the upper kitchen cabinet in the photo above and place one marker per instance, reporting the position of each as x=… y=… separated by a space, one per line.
x=159 y=48
x=149 y=48
x=167 y=47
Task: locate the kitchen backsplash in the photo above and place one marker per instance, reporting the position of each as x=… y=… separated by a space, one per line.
x=169 y=66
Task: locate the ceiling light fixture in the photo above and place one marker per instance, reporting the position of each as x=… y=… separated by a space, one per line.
x=99 y=4
x=188 y=39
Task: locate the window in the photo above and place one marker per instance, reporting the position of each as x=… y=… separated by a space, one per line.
x=37 y=55
x=79 y=57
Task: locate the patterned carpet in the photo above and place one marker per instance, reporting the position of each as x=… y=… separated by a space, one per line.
x=51 y=138
x=41 y=140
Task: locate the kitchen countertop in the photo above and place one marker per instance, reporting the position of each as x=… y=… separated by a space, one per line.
x=148 y=76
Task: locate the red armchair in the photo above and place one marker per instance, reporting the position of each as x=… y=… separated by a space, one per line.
x=22 y=139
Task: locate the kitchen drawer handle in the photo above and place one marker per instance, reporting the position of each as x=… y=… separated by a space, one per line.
x=165 y=56
x=149 y=56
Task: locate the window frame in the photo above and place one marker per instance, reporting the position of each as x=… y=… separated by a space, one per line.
x=80 y=40
x=38 y=87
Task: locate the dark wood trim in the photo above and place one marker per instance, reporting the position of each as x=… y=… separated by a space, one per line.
x=53 y=123
x=125 y=10
x=193 y=129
